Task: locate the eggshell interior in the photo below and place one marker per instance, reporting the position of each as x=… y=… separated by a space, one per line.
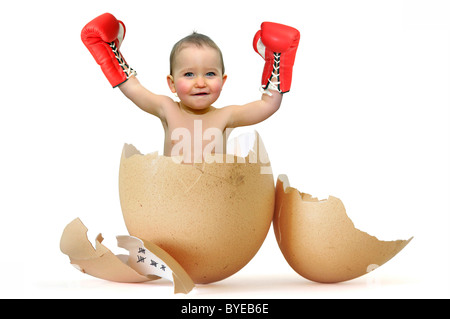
x=211 y=217
x=320 y=242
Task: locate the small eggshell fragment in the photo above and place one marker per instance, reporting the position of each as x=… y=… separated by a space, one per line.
x=212 y=217
x=320 y=242
x=98 y=262
x=145 y=259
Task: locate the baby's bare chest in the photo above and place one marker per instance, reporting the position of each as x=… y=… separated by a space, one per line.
x=198 y=127
x=199 y=131
x=195 y=136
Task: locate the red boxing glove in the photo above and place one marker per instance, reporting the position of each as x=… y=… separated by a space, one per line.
x=277 y=44
x=103 y=37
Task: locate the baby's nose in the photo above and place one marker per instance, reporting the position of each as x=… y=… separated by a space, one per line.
x=200 y=82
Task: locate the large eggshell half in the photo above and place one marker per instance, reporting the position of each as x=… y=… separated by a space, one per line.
x=320 y=242
x=211 y=217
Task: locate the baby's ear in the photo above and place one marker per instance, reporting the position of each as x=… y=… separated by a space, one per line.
x=171 y=83
x=224 y=79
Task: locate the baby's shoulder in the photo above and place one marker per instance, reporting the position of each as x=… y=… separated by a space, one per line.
x=169 y=106
x=167 y=101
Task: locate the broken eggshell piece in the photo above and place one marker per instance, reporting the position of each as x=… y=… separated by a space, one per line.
x=212 y=217
x=146 y=261
x=320 y=242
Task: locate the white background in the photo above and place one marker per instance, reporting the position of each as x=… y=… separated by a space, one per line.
x=367 y=120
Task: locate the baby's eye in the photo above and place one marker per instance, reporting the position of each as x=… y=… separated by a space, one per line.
x=189 y=74
x=210 y=74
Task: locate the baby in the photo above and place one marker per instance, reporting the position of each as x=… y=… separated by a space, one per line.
x=193 y=126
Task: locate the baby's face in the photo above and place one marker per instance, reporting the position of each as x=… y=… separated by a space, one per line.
x=197 y=77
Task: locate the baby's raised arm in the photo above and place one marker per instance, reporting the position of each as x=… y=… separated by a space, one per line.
x=253 y=112
x=143 y=98
x=103 y=37
x=277 y=45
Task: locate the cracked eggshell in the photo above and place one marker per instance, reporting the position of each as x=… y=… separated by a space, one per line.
x=320 y=242
x=211 y=217
x=100 y=262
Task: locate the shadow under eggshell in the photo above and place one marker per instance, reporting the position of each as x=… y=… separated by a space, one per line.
x=320 y=242
x=211 y=217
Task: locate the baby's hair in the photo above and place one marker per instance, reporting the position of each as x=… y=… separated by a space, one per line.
x=199 y=40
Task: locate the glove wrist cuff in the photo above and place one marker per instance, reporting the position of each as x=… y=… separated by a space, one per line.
x=273 y=81
x=127 y=70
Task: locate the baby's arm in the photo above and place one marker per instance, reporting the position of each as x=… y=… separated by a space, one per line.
x=143 y=98
x=254 y=112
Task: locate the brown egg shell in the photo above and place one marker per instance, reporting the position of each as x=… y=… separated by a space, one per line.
x=320 y=242
x=211 y=217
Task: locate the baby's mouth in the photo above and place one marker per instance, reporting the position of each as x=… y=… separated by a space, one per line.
x=200 y=94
